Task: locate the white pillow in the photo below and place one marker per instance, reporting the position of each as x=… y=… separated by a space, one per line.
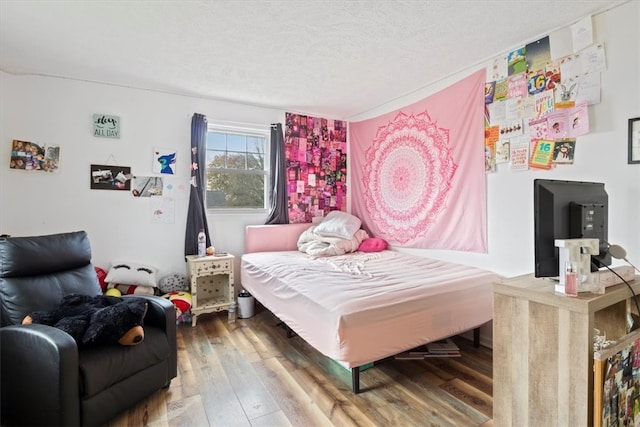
x=131 y=273
x=338 y=224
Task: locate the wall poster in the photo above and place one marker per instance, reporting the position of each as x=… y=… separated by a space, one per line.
x=34 y=157
x=110 y=177
x=106 y=126
x=616 y=382
x=316 y=156
x=147 y=186
x=164 y=161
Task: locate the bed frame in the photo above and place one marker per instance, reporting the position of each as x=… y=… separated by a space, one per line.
x=274 y=238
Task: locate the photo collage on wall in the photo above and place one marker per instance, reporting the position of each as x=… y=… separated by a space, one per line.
x=316 y=158
x=536 y=104
x=617 y=383
x=110 y=177
x=161 y=189
x=30 y=156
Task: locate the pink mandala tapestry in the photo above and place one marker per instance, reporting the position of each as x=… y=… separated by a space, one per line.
x=407 y=176
x=417 y=174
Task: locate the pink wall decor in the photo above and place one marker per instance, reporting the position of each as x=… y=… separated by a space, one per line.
x=418 y=173
x=316 y=152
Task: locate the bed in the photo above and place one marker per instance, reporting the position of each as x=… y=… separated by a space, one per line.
x=359 y=307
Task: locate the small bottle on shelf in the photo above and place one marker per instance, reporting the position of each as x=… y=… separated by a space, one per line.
x=202 y=243
x=571 y=280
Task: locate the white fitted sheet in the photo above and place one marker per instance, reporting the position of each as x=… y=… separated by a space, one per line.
x=362 y=307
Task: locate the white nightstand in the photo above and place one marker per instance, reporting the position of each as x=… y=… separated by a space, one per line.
x=211 y=279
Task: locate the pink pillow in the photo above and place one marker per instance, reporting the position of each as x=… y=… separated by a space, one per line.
x=373 y=244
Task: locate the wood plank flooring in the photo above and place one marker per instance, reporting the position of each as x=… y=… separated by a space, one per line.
x=248 y=373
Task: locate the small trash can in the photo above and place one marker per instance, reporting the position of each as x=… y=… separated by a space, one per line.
x=245 y=304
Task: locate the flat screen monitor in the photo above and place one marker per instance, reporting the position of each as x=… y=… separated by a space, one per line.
x=568 y=210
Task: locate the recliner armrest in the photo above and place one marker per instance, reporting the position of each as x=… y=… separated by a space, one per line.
x=38 y=363
x=161 y=313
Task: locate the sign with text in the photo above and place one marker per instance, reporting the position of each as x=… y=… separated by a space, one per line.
x=106 y=126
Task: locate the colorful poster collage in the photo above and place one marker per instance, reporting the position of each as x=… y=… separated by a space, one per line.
x=316 y=155
x=30 y=156
x=536 y=106
x=621 y=388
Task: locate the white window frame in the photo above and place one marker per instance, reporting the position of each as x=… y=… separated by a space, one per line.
x=248 y=130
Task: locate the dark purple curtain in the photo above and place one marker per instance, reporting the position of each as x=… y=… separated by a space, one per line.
x=197 y=214
x=279 y=213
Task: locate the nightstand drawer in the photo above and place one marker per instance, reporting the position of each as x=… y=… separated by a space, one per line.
x=207 y=266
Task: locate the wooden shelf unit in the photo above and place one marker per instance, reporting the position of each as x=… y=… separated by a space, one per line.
x=543 y=349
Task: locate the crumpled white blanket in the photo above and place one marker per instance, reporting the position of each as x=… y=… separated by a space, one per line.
x=352 y=263
x=313 y=244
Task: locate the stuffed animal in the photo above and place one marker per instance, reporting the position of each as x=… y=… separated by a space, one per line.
x=173 y=283
x=101 y=274
x=94 y=320
x=182 y=302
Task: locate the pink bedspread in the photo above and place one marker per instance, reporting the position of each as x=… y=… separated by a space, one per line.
x=361 y=307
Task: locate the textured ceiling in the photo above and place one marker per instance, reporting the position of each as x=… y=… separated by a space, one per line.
x=336 y=58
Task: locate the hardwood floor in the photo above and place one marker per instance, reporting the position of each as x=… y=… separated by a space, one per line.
x=248 y=373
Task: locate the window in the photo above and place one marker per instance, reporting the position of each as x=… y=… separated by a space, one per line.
x=237 y=168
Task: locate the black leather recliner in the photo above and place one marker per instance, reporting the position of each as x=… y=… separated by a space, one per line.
x=45 y=379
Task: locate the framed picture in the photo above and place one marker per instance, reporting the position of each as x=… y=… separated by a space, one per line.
x=634 y=140
x=108 y=177
x=106 y=126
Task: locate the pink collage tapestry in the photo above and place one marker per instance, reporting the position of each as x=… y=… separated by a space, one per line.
x=418 y=174
x=316 y=157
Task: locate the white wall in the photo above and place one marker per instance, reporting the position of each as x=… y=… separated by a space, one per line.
x=58 y=111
